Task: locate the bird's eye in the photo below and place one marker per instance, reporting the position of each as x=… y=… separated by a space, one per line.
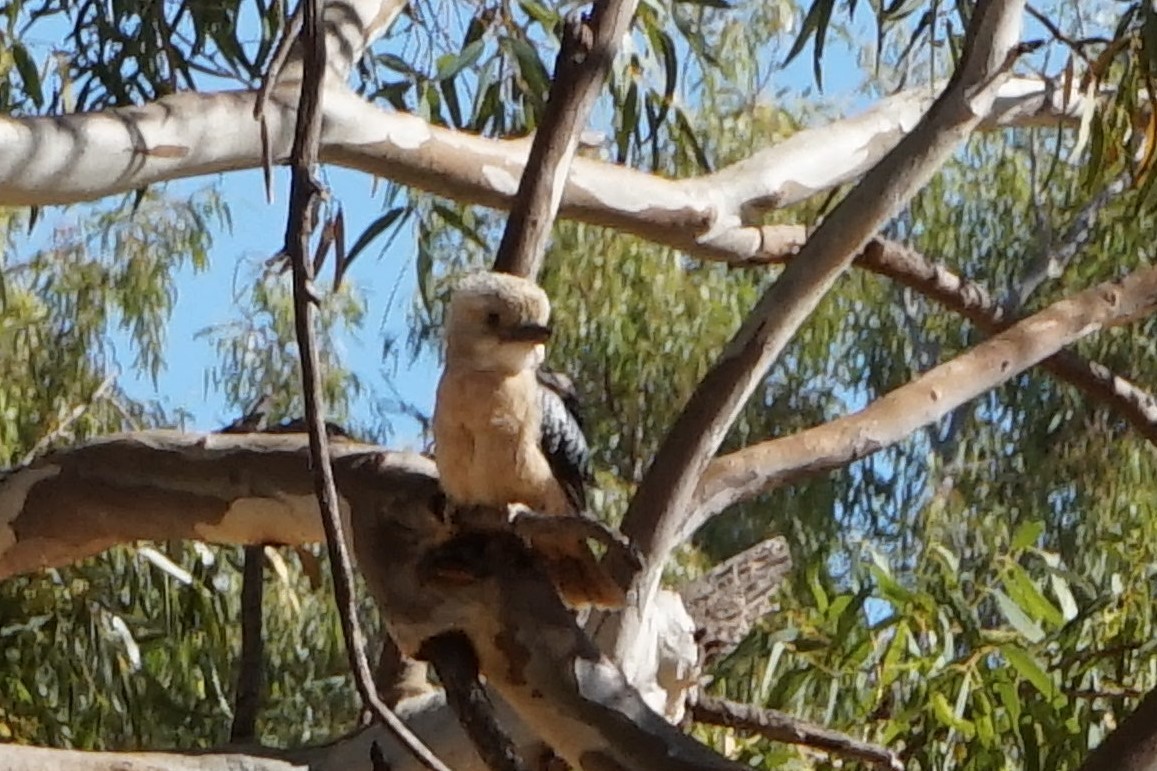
x=492 y=319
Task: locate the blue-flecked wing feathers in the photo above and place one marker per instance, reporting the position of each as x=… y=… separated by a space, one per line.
x=562 y=439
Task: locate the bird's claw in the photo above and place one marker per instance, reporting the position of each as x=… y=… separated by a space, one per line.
x=533 y=527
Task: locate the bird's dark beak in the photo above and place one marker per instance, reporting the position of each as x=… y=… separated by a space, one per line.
x=530 y=333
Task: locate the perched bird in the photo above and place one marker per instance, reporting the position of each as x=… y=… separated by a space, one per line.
x=507 y=432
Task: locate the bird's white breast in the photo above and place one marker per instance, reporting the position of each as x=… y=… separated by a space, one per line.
x=487 y=441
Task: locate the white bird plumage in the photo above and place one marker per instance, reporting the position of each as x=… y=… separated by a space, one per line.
x=505 y=432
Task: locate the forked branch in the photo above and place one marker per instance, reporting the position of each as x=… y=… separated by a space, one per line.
x=781 y=727
x=668 y=488
x=762 y=467
x=588 y=47
x=304 y=198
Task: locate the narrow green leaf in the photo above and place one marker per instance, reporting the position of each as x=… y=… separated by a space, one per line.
x=449 y=66
x=814 y=25
x=1024 y=592
x=375 y=228
x=28 y=73
x=692 y=139
x=1019 y=620
x=450 y=95
x=1026 y=665
x=1026 y=534
x=530 y=66
x=540 y=12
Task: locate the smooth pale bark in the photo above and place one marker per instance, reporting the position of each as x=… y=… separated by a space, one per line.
x=667 y=491
x=80 y=157
x=975 y=302
x=255 y=488
x=764 y=466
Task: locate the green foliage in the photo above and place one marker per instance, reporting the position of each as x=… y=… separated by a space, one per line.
x=979 y=597
x=126 y=650
x=112 y=270
x=138 y=647
x=258 y=353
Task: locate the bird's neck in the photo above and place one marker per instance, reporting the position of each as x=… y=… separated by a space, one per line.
x=503 y=362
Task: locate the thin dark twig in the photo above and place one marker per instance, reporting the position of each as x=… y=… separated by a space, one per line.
x=250 y=679
x=1049 y=261
x=781 y=727
x=271 y=75
x=456 y=663
x=304 y=191
x=250 y=674
x=1074 y=45
x=588 y=47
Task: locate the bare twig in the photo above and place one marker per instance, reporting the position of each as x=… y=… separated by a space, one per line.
x=66 y=422
x=1050 y=261
x=781 y=727
x=668 y=488
x=761 y=467
x=280 y=55
x=304 y=192
x=251 y=666
x=588 y=46
x=1076 y=46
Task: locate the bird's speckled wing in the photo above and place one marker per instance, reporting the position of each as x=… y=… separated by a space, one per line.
x=562 y=439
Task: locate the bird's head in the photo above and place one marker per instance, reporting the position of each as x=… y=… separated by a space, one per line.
x=498 y=323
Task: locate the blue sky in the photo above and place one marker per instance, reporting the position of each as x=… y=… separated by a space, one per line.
x=388 y=280
x=206 y=298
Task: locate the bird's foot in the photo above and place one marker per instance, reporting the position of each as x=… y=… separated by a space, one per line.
x=534 y=527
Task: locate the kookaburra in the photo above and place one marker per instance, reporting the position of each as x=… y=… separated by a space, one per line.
x=505 y=431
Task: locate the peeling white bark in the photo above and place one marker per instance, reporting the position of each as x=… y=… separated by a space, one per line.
x=168 y=485
x=80 y=157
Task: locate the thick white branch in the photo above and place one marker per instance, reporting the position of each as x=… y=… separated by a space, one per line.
x=80 y=157
x=254 y=488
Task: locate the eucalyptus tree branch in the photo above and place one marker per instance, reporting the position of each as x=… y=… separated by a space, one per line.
x=1133 y=746
x=761 y=467
x=457 y=667
x=253 y=488
x=303 y=201
x=975 y=303
x=657 y=516
x=78 y=157
x=734 y=596
x=587 y=50
x=781 y=727
x=251 y=662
